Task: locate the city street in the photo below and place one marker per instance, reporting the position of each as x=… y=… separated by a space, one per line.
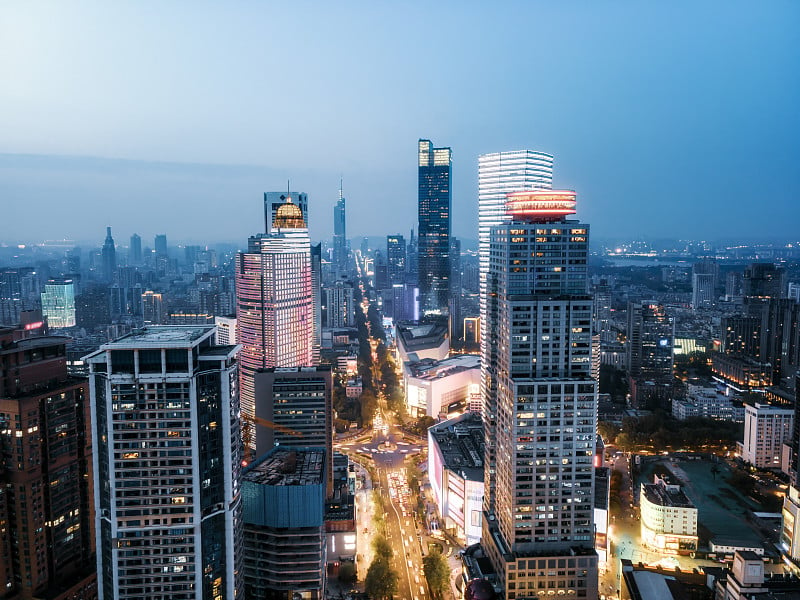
x=386 y=449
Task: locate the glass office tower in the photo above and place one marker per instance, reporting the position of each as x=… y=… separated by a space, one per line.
x=435 y=208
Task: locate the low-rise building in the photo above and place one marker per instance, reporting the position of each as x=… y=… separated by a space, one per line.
x=766 y=428
x=416 y=342
x=668 y=518
x=746 y=580
x=440 y=387
x=709 y=403
x=354 y=387
x=455 y=470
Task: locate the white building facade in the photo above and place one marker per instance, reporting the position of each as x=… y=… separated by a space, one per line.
x=440 y=387
x=766 y=429
x=668 y=518
x=167 y=461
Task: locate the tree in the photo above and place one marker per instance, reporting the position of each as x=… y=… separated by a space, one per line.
x=607 y=430
x=436 y=572
x=381 y=547
x=369 y=404
x=381 y=580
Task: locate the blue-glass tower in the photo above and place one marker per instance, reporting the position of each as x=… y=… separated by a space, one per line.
x=435 y=208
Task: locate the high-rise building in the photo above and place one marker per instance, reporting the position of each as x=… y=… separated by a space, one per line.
x=316 y=293
x=500 y=173
x=790 y=531
x=275 y=301
x=340 y=235
x=109 y=253
x=226 y=330
x=339 y=306
x=537 y=385
x=295 y=402
x=435 y=212
x=396 y=258
x=702 y=290
x=152 y=308
x=160 y=243
x=651 y=337
x=284 y=537
x=456 y=291
x=58 y=303
x=47 y=534
x=274 y=200
x=167 y=466
x=135 y=251
x=764 y=280
x=766 y=429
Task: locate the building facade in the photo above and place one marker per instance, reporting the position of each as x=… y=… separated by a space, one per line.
x=284 y=537
x=46 y=508
x=340 y=252
x=538 y=527
x=766 y=429
x=668 y=518
x=58 y=303
x=293 y=409
x=167 y=466
x=435 y=387
x=455 y=470
x=274 y=311
x=435 y=213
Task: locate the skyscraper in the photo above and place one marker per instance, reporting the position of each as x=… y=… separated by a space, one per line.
x=274 y=200
x=340 y=235
x=500 y=173
x=167 y=466
x=47 y=533
x=160 y=243
x=135 y=254
x=58 y=303
x=396 y=258
x=109 y=254
x=538 y=523
x=275 y=312
x=435 y=209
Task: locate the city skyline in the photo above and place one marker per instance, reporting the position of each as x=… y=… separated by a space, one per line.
x=654 y=115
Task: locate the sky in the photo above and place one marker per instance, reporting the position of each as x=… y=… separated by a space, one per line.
x=673 y=119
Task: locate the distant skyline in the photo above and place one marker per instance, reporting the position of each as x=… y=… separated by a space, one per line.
x=675 y=120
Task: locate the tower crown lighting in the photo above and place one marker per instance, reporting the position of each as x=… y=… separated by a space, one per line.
x=541 y=205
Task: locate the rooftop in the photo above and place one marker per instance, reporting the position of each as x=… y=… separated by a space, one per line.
x=162 y=336
x=432 y=369
x=290 y=466
x=461 y=442
x=662 y=495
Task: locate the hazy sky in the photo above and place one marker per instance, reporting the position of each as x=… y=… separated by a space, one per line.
x=673 y=119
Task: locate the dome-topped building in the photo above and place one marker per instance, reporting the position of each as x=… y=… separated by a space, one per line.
x=289 y=216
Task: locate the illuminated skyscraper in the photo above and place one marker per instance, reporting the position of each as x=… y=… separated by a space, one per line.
x=275 y=312
x=274 y=200
x=538 y=523
x=435 y=210
x=340 y=234
x=500 y=173
x=396 y=258
x=167 y=461
x=58 y=303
